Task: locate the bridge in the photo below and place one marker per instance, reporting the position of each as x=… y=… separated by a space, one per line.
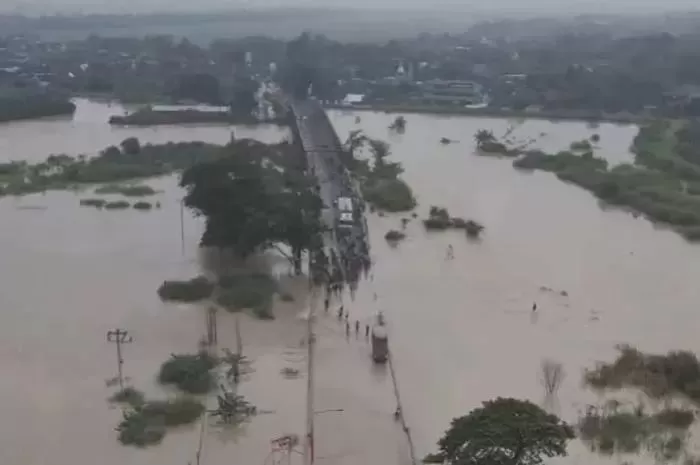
x=322 y=147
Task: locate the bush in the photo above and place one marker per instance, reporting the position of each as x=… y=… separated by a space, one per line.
x=117 y=205
x=128 y=395
x=437 y=224
x=658 y=375
x=675 y=418
x=97 y=203
x=581 y=146
x=391 y=195
x=142 y=206
x=195 y=289
x=394 y=236
x=135 y=190
x=495 y=148
x=147 y=424
x=246 y=291
x=189 y=373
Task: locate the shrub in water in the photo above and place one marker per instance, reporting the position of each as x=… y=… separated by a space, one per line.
x=195 y=289
x=142 y=206
x=98 y=203
x=394 y=235
x=117 y=205
x=128 y=395
x=675 y=418
x=189 y=373
x=147 y=424
x=246 y=291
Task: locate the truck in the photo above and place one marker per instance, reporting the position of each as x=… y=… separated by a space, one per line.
x=380 y=344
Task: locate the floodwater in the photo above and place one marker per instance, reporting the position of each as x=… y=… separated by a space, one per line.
x=461 y=331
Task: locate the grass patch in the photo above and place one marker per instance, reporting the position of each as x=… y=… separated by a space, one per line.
x=117 y=205
x=247 y=291
x=147 y=424
x=113 y=165
x=193 y=290
x=657 y=375
x=128 y=395
x=97 y=203
x=129 y=190
x=675 y=418
x=143 y=206
x=189 y=373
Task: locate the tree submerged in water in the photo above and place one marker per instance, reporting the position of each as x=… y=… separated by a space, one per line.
x=399 y=124
x=504 y=431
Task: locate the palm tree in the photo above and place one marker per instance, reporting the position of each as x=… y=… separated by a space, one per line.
x=483 y=136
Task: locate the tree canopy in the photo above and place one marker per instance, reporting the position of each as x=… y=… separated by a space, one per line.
x=253 y=197
x=503 y=431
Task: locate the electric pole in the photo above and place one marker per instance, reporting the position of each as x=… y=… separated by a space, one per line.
x=309 y=443
x=119 y=337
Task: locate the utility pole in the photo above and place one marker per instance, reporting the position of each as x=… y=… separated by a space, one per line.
x=119 y=337
x=309 y=443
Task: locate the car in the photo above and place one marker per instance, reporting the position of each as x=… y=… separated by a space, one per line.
x=346 y=220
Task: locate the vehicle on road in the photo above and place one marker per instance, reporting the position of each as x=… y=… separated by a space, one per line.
x=345 y=204
x=380 y=344
x=346 y=220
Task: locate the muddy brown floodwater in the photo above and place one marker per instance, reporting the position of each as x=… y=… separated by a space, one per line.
x=461 y=331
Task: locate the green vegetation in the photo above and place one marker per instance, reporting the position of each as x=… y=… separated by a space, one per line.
x=663 y=183
x=487 y=144
x=114 y=164
x=394 y=236
x=117 y=205
x=23 y=105
x=581 y=146
x=128 y=395
x=399 y=124
x=143 y=206
x=97 y=203
x=617 y=430
x=192 y=290
x=657 y=375
x=146 y=424
x=503 y=431
x=189 y=373
x=439 y=219
x=247 y=291
x=150 y=117
x=269 y=199
x=380 y=183
x=128 y=190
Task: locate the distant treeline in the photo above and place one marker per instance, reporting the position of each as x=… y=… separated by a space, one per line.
x=20 y=107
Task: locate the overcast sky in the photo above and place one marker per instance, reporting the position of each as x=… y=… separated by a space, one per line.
x=497 y=6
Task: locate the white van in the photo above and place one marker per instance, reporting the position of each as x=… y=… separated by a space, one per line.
x=346 y=220
x=345 y=204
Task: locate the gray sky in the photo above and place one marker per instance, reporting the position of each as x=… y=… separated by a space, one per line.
x=496 y=6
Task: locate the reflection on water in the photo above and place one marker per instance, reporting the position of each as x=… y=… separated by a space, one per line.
x=461 y=330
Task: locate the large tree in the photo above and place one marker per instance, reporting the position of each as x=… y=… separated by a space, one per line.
x=503 y=431
x=254 y=196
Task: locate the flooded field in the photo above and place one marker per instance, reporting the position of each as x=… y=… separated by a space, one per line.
x=461 y=331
